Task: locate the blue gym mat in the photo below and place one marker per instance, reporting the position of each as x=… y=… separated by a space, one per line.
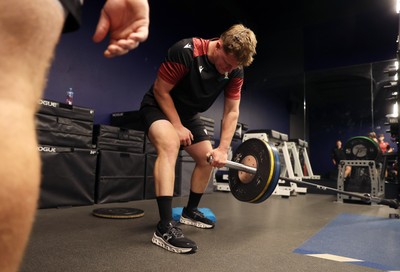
x=176 y=213
x=362 y=240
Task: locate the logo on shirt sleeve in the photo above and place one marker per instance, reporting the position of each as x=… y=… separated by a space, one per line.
x=188 y=45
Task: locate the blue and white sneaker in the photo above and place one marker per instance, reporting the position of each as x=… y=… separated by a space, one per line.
x=196 y=218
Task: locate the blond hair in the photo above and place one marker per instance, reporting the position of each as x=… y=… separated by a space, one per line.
x=241 y=42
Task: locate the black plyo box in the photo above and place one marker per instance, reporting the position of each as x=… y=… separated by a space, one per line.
x=60 y=124
x=120 y=176
x=68 y=176
x=132 y=120
x=118 y=139
x=61 y=131
x=127 y=119
x=50 y=107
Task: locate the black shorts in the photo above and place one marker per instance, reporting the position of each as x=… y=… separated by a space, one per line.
x=73 y=10
x=150 y=114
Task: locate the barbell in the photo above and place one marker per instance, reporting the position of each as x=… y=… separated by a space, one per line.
x=254 y=173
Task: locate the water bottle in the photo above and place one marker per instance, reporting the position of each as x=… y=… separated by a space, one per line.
x=70 y=97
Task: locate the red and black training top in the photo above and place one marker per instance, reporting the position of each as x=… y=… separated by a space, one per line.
x=197 y=83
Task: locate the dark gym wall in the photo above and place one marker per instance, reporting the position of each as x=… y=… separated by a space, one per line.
x=294 y=38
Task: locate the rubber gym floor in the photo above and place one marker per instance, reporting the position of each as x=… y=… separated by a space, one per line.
x=310 y=232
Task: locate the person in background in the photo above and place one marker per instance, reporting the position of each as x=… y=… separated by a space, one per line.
x=389 y=166
x=337 y=155
x=384 y=146
x=193 y=75
x=372 y=136
x=30 y=31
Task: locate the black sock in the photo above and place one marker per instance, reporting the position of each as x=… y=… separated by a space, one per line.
x=165 y=209
x=194 y=200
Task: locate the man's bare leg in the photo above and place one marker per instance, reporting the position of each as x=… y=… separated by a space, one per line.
x=203 y=170
x=29 y=32
x=166 y=141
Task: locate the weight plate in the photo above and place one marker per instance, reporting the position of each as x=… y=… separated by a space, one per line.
x=118 y=213
x=362 y=148
x=271 y=175
x=251 y=190
x=275 y=178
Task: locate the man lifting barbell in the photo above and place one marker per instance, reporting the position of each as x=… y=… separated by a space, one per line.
x=195 y=72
